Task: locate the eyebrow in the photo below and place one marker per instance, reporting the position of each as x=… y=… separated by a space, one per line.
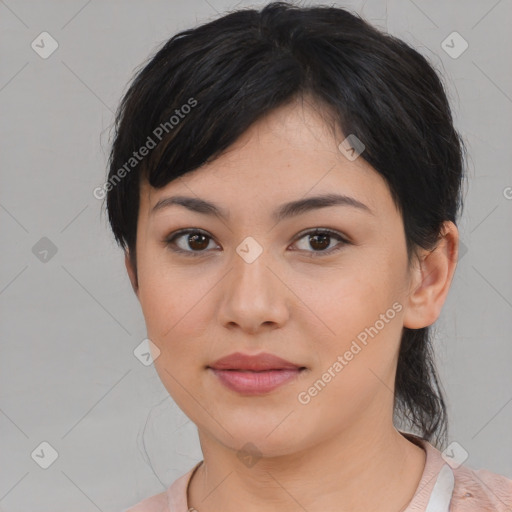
x=284 y=211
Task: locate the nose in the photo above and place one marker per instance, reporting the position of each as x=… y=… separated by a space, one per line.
x=254 y=296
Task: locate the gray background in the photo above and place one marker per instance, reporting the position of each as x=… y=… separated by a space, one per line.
x=69 y=324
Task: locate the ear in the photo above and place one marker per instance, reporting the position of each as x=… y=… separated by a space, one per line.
x=132 y=272
x=431 y=279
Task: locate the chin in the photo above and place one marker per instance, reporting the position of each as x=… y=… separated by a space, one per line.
x=261 y=437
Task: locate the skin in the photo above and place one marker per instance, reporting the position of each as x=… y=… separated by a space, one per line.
x=340 y=451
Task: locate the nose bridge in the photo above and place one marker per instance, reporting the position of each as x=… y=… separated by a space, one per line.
x=254 y=295
x=251 y=278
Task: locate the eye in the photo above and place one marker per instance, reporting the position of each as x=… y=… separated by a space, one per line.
x=195 y=242
x=320 y=240
x=192 y=242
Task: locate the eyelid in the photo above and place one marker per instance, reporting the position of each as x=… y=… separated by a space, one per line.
x=169 y=240
x=321 y=230
x=344 y=240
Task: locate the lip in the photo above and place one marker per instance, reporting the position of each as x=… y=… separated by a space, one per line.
x=254 y=374
x=256 y=363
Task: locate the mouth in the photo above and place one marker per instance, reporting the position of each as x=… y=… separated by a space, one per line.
x=256 y=363
x=254 y=374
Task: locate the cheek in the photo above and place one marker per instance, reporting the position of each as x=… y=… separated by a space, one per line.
x=167 y=294
x=173 y=309
x=358 y=316
x=350 y=300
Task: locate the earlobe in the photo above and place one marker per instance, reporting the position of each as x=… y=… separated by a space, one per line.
x=132 y=273
x=431 y=280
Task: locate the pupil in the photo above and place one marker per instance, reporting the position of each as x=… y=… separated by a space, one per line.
x=194 y=239
x=324 y=244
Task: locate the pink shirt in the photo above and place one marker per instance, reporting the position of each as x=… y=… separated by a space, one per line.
x=442 y=488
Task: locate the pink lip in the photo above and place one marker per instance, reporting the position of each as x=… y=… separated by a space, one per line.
x=256 y=363
x=256 y=374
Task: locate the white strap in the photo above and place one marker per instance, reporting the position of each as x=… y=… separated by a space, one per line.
x=442 y=492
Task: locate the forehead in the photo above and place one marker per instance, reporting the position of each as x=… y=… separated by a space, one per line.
x=291 y=153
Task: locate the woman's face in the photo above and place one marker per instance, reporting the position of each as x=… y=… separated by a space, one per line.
x=258 y=283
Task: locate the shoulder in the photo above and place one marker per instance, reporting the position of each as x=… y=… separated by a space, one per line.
x=481 y=489
x=465 y=488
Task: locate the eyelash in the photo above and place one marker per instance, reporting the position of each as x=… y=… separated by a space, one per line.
x=170 y=241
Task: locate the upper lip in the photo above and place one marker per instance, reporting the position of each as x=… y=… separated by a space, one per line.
x=258 y=362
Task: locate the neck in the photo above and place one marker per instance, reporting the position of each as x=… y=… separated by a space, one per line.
x=335 y=475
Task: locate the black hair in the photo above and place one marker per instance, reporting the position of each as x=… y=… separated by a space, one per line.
x=207 y=85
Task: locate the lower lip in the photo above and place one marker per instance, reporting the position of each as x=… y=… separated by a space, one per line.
x=255 y=383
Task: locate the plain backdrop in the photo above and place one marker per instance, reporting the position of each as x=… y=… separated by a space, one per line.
x=69 y=320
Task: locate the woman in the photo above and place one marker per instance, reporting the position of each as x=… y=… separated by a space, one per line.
x=285 y=184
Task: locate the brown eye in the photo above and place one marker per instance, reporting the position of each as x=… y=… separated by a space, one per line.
x=320 y=241
x=197 y=242
x=191 y=242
